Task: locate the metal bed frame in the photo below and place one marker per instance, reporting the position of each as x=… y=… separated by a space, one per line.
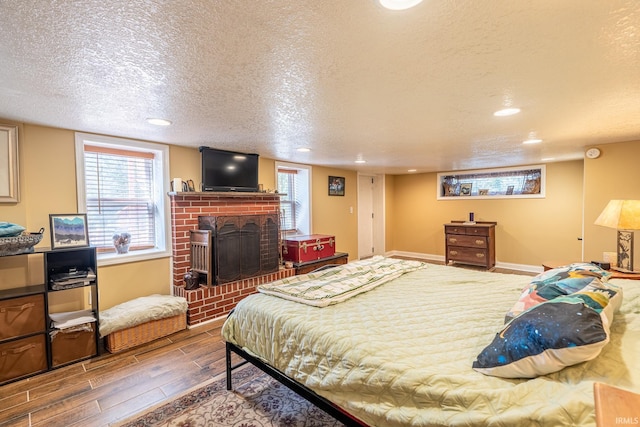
x=311 y=396
x=317 y=400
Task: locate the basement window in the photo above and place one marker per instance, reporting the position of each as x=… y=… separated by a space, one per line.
x=516 y=182
x=121 y=188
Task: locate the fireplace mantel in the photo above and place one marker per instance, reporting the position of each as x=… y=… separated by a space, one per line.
x=223 y=194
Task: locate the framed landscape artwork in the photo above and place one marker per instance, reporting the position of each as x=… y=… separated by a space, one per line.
x=68 y=230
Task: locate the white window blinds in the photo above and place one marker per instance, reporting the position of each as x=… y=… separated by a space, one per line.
x=119 y=189
x=287 y=185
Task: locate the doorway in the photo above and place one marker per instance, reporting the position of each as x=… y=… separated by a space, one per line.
x=370 y=215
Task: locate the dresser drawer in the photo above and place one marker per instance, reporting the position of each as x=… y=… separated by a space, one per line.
x=22 y=316
x=465 y=240
x=454 y=229
x=468 y=255
x=477 y=231
x=23 y=357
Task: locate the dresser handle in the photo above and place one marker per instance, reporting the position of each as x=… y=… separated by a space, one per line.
x=453 y=253
x=452 y=240
x=22 y=307
x=479 y=242
x=479 y=255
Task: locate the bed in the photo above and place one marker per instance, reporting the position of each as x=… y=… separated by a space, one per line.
x=401 y=354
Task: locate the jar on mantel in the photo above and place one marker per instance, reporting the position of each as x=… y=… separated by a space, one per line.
x=121 y=242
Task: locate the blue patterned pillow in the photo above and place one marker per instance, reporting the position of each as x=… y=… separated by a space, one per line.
x=551 y=335
x=8 y=229
x=557 y=282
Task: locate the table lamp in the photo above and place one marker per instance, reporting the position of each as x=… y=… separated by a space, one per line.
x=624 y=216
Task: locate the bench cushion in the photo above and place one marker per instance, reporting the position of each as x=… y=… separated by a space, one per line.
x=140 y=310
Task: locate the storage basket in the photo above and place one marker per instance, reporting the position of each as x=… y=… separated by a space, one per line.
x=21 y=244
x=144 y=333
x=71 y=344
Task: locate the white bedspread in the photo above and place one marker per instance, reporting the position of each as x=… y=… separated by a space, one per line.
x=401 y=354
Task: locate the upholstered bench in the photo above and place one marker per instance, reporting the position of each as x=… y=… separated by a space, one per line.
x=142 y=320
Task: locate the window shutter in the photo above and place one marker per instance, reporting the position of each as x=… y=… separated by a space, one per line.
x=119 y=196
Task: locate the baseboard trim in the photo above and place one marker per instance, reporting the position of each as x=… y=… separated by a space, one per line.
x=206 y=322
x=439 y=258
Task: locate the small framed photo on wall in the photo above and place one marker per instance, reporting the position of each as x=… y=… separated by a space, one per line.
x=68 y=231
x=336 y=186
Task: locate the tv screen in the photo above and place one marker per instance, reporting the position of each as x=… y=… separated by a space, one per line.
x=228 y=170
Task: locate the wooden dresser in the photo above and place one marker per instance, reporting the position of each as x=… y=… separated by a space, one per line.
x=473 y=244
x=309 y=266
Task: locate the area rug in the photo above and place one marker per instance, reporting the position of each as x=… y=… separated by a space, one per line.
x=256 y=401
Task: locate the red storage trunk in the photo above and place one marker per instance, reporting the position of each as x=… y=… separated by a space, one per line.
x=308 y=248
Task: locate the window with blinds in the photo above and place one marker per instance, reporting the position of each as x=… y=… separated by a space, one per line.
x=119 y=196
x=293 y=182
x=121 y=189
x=287 y=185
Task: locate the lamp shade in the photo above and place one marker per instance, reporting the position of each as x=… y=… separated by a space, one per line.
x=621 y=215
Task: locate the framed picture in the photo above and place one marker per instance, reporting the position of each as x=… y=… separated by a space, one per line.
x=68 y=230
x=450 y=189
x=336 y=186
x=509 y=190
x=9 y=189
x=465 y=188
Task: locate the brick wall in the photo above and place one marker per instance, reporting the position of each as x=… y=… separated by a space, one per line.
x=210 y=303
x=218 y=300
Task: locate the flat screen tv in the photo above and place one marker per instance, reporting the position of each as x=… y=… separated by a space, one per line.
x=228 y=170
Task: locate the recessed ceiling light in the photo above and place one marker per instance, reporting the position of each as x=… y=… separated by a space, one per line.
x=303 y=150
x=360 y=161
x=159 y=122
x=412 y=170
x=399 y=4
x=532 y=141
x=506 y=112
x=547 y=159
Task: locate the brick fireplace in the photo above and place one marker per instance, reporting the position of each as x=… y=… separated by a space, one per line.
x=207 y=303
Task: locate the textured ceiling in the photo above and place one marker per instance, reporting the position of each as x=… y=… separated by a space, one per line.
x=347 y=79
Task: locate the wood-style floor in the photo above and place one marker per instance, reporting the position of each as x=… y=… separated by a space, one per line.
x=112 y=387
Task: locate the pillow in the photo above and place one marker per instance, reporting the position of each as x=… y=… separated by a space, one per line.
x=572 y=270
x=558 y=282
x=8 y=229
x=545 y=339
x=552 y=335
